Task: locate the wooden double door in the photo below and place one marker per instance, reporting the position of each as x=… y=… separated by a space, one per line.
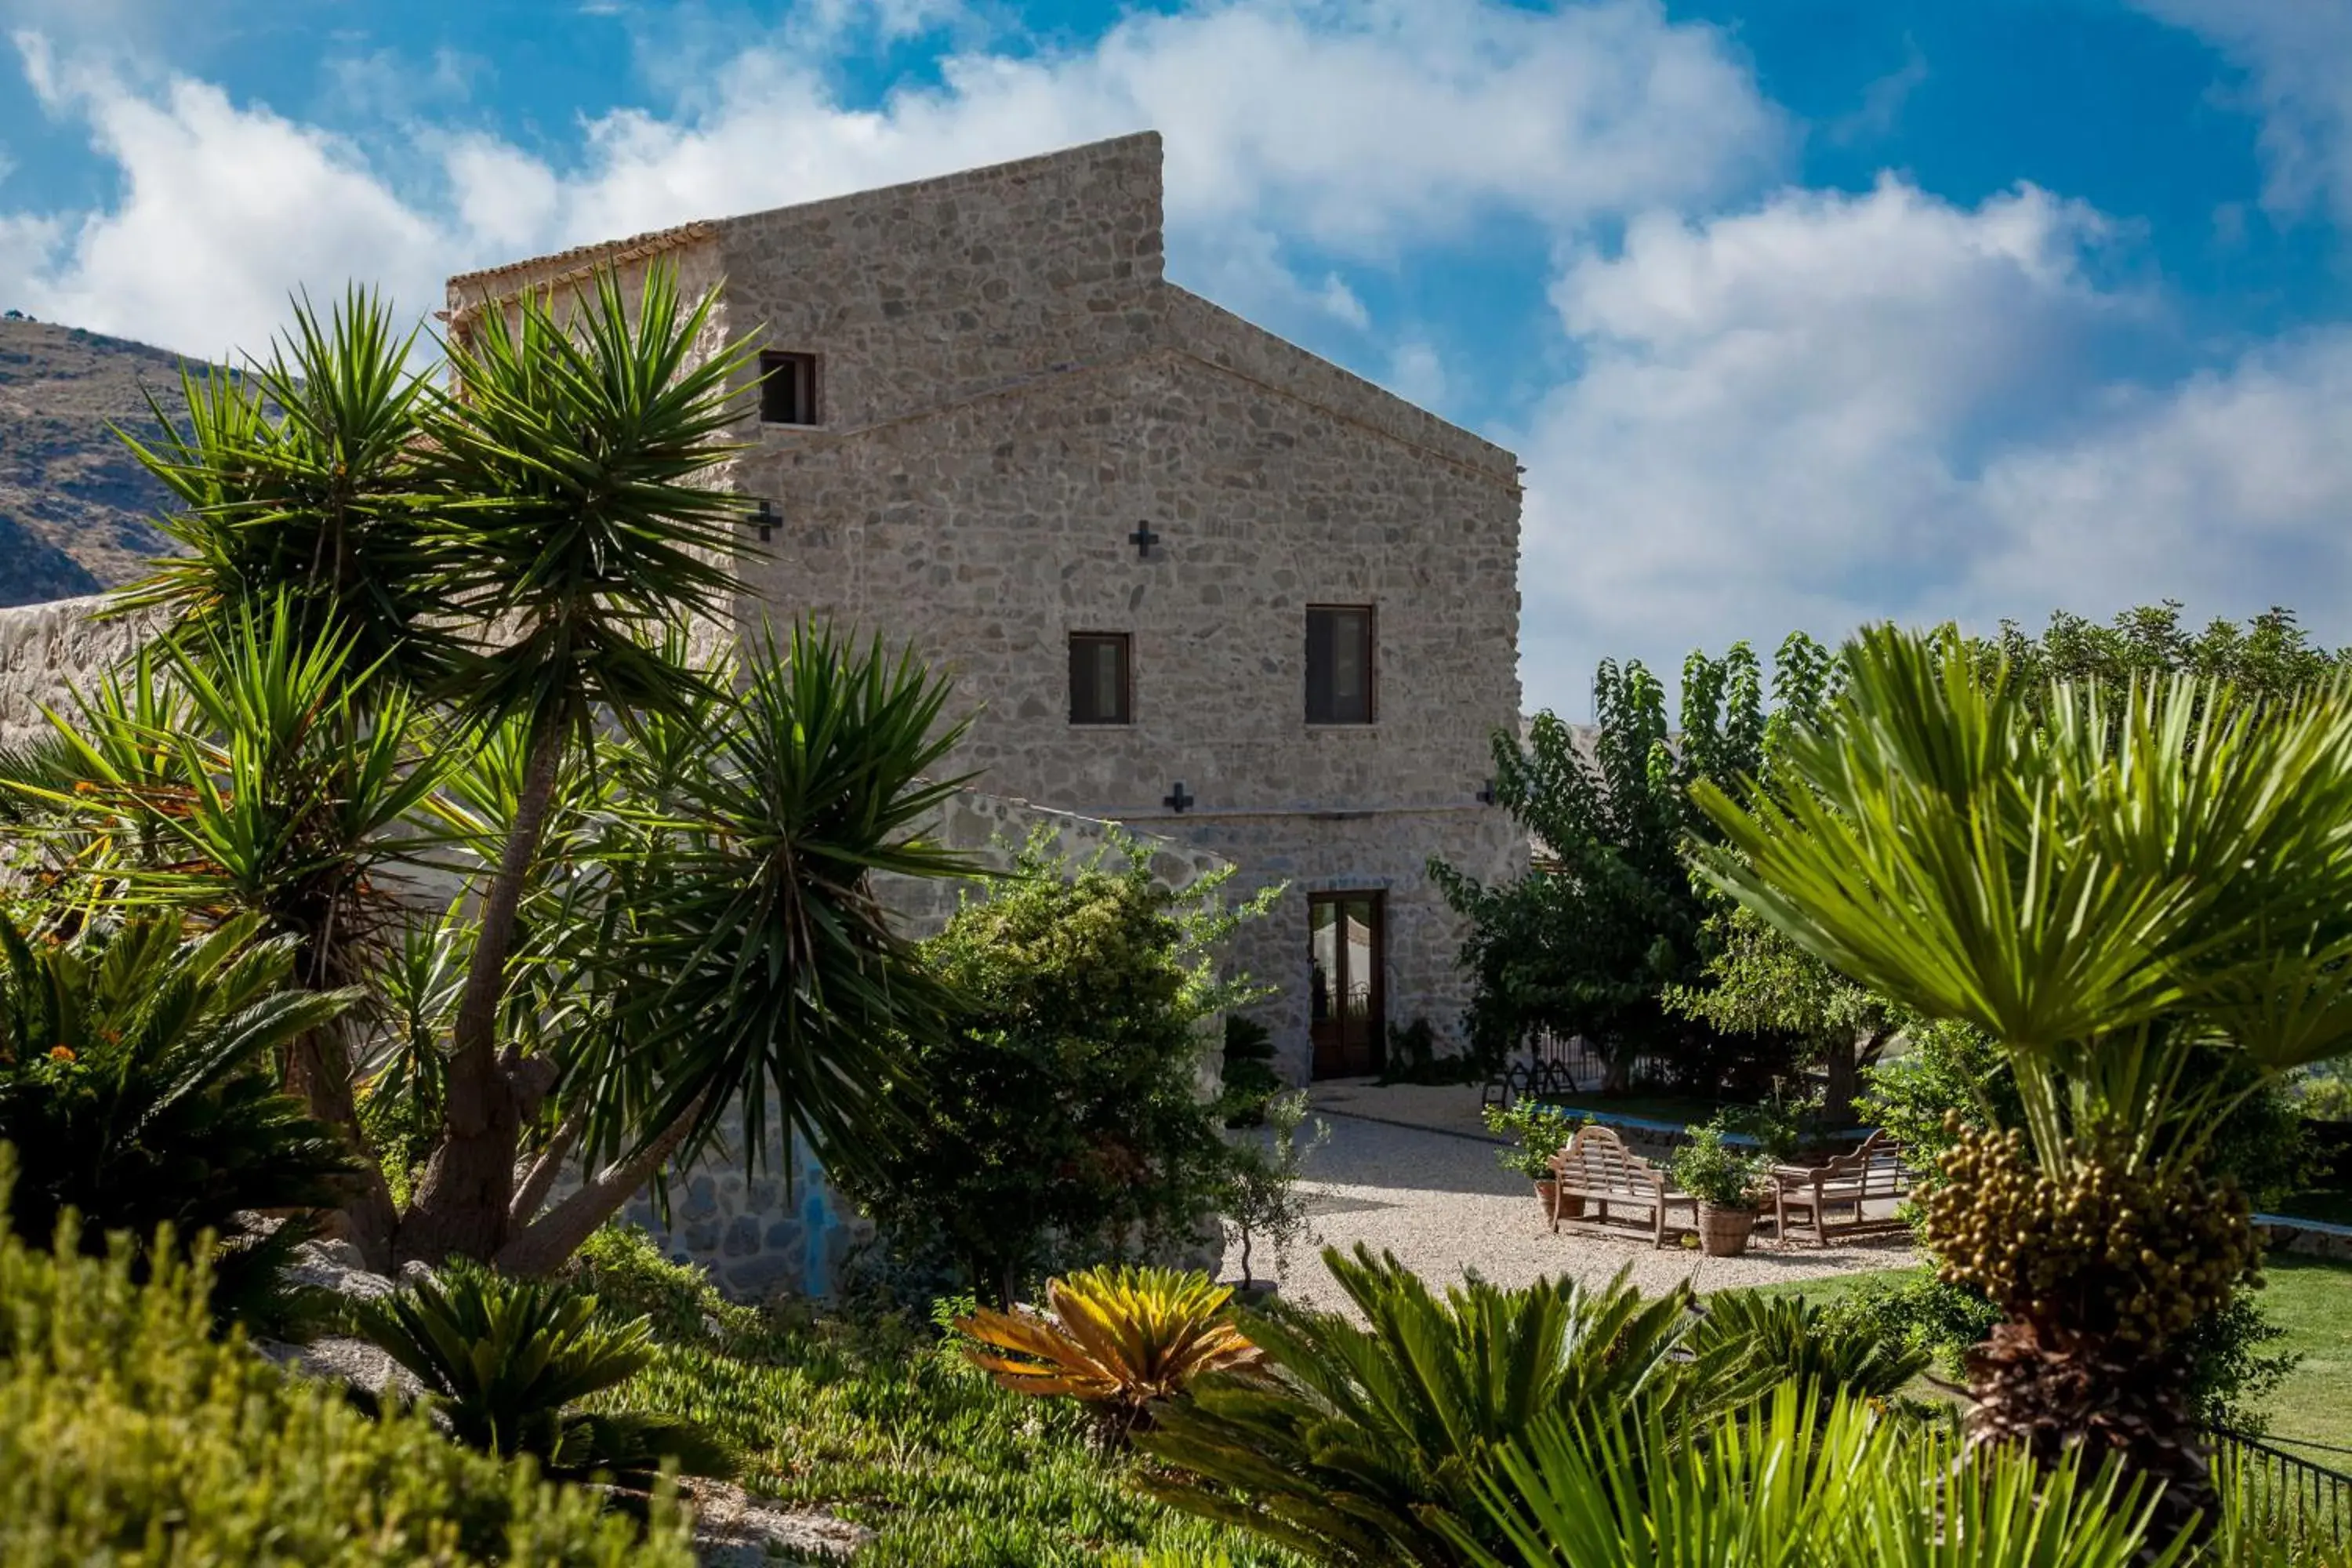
x=1346 y=1010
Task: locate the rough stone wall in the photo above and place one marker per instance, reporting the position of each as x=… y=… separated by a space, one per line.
x=928 y=293
x=48 y=650
x=992 y=529
x=1008 y=386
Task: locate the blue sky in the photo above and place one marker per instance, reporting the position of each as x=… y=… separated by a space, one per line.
x=1800 y=313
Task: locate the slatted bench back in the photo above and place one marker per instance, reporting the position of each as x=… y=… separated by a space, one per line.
x=1874 y=1170
x=1596 y=1161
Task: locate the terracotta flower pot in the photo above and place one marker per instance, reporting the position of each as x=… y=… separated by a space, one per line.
x=1723 y=1233
x=1544 y=1189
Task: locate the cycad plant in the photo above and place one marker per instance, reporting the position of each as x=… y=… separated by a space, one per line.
x=137 y=1088
x=1801 y=1341
x=508 y=1361
x=1125 y=1342
x=2139 y=874
x=1364 y=1444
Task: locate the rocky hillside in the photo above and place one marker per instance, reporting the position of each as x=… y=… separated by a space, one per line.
x=76 y=509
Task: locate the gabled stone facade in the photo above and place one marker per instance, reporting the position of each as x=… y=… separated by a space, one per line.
x=1006 y=391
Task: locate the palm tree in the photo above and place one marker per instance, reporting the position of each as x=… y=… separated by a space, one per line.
x=297 y=480
x=2106 y=890
x=575 y=531
x=300 y=744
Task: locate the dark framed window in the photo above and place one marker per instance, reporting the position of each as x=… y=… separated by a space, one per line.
x=1340 y=664
x=1102 y=683
x=787 y=389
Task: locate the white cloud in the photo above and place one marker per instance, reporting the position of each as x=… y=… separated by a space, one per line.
x=1417 y=375
x=2299 y=55
x=1840 y=408
x=1368 y=128
x=223 y=211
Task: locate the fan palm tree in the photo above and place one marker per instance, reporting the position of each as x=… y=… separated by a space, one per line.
x=2137 y=874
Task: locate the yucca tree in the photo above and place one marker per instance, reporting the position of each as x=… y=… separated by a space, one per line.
x=2139 y=874
x=298 y=482
x=576 y=527
x=429 y=634
x=745 y=959
x=241 y=770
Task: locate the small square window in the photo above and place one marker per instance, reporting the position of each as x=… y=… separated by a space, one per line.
x=787 y=389
x=1101 y=689
x=1340 y=664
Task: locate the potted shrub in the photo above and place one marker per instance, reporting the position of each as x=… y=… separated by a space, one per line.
x=1538 y=1131
x=1725 y=1182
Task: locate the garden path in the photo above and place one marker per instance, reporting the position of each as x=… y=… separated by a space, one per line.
x=1438 y=1200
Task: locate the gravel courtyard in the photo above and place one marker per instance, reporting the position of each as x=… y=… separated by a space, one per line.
x=1440 y=1202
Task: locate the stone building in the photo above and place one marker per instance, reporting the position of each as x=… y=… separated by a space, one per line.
x=1192 y=578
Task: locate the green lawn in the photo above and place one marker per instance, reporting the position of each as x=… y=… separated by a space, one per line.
x=2310 y=1298
x=869 y=1419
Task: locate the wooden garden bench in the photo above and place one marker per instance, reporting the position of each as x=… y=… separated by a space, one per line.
x=1598 y=1170
x=1829 y=1199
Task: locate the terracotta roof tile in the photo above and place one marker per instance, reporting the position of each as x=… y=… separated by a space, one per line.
x=581 y=256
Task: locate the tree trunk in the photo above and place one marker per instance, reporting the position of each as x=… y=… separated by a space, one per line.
x=1842 y=1081
x=1617 y=1071
x=317 y=1073
x=2058 y=1393
x=534 y=1189
x=546 y=1243
x=462 y=1203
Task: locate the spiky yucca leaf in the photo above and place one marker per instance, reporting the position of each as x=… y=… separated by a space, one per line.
x=1123 y=1339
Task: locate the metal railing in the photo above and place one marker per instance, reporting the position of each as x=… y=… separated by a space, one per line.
x=2288 y=1493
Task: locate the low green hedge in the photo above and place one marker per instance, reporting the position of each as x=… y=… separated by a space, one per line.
x=129 y=1437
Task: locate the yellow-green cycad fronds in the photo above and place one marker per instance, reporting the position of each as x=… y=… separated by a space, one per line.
x=1121 y=1339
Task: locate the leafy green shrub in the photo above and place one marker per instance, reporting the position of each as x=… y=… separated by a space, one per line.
x=1918 y=1312
x=134 y=1085
x=626 y=1273
x=1260 y=1199
x=2324 y=1095
x=1365 y=1444
x=506 y=1359
x=1248 y=1079
x=1059 y=1116
x=1714 y=1172
x=1541 y=1131
x=128 y=1435
x=1412 y=1057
